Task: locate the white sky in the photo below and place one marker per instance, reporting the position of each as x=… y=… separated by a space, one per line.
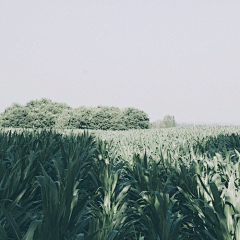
x=163 y=57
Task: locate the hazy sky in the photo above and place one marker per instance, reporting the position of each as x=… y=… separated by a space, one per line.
x=161 y=56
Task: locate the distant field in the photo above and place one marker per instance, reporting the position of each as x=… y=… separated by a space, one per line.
x=176 y=183
x=171 y=138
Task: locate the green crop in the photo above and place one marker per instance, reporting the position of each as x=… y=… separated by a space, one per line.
x=179 y=183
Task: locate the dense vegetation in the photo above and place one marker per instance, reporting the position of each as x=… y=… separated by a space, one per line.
x=47 y=114
x=178 y=183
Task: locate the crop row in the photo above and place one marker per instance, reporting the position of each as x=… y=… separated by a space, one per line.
x=177 y=183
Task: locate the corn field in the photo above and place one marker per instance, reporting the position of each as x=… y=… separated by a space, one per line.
x=178 y=183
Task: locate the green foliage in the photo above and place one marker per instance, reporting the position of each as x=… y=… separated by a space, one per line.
x=199 y=170
x=38 y=114
x=41 y=179
x=139 y=184
x=103 y=118
x=63 y=120
x=169 y=121
x=46 y=114
x=135 y=119
x=15 y=116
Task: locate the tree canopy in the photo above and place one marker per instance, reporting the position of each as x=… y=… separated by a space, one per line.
x=45 y=114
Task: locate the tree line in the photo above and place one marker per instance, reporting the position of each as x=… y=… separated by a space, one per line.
x=47 y=114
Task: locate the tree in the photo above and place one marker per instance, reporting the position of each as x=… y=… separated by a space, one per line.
x=44 y=114
x=63 y=120
x=39 y=114
x=135 y=119
x=15 y=116
x=169 y=121
x=105 y=118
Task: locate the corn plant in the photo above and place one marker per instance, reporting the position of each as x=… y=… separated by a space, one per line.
x=180 y=183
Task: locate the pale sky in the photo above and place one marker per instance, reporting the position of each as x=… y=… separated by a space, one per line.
x=177 y=57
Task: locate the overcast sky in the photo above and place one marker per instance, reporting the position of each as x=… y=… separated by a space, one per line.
x=164 y=57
